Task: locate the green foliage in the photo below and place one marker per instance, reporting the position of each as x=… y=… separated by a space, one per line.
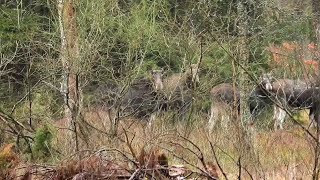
x=41 y=148
x=17 y=25
x=217 y=64
x=285 y=24
x=291 y=30
x=43 y=107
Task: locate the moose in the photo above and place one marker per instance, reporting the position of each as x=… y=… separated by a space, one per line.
x=177 y=87
x=145 y=97
x=223 y=97
x=181 y=81
x=284 y=94
x=140 y=98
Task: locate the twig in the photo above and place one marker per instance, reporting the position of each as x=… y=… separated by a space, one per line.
x=236 y=162
x=200 y=157
x=123 y=154
x=134 y=174
x=52 y=86
x=129 y=143
x=217 y=161
x=203 y=172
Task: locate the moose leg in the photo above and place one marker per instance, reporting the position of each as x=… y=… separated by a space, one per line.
x=282 y=116
x=225 y=118
x=214 y=113
x=224 y=121
x=316 y=111
x=253 y=113
x=152 y=118
x=312 y=118
x=278 y=116
x=275 y=115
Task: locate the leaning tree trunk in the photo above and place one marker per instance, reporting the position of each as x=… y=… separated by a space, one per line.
x=69 y=56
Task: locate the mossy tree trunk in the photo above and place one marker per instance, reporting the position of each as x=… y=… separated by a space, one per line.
x=241 y=64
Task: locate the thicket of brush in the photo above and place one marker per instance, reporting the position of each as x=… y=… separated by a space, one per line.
x=121 y=41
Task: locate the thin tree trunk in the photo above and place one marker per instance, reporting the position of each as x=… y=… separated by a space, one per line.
x=316 y=108
x=69 y=59
x=316 y=19
x=316 y=26
x=242 y=57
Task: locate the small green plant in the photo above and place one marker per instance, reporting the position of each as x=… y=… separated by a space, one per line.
x=42 y=143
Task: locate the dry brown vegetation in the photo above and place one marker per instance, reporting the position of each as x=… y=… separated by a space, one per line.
x=165 y=151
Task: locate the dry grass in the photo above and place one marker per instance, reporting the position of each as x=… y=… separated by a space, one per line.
x=285 y=154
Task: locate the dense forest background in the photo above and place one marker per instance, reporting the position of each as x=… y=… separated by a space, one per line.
x=118 y=39
x=59 y=57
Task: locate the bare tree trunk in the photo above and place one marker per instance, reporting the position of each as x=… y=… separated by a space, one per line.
x=69 y=59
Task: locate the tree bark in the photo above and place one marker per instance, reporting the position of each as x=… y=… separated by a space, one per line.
x=316 y=19
x=242 y=63
x=69 y=58
x=316 y=28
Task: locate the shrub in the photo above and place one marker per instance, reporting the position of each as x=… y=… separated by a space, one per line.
x=42 y=143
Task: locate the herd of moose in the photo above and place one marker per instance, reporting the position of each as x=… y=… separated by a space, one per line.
x=146 y=98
